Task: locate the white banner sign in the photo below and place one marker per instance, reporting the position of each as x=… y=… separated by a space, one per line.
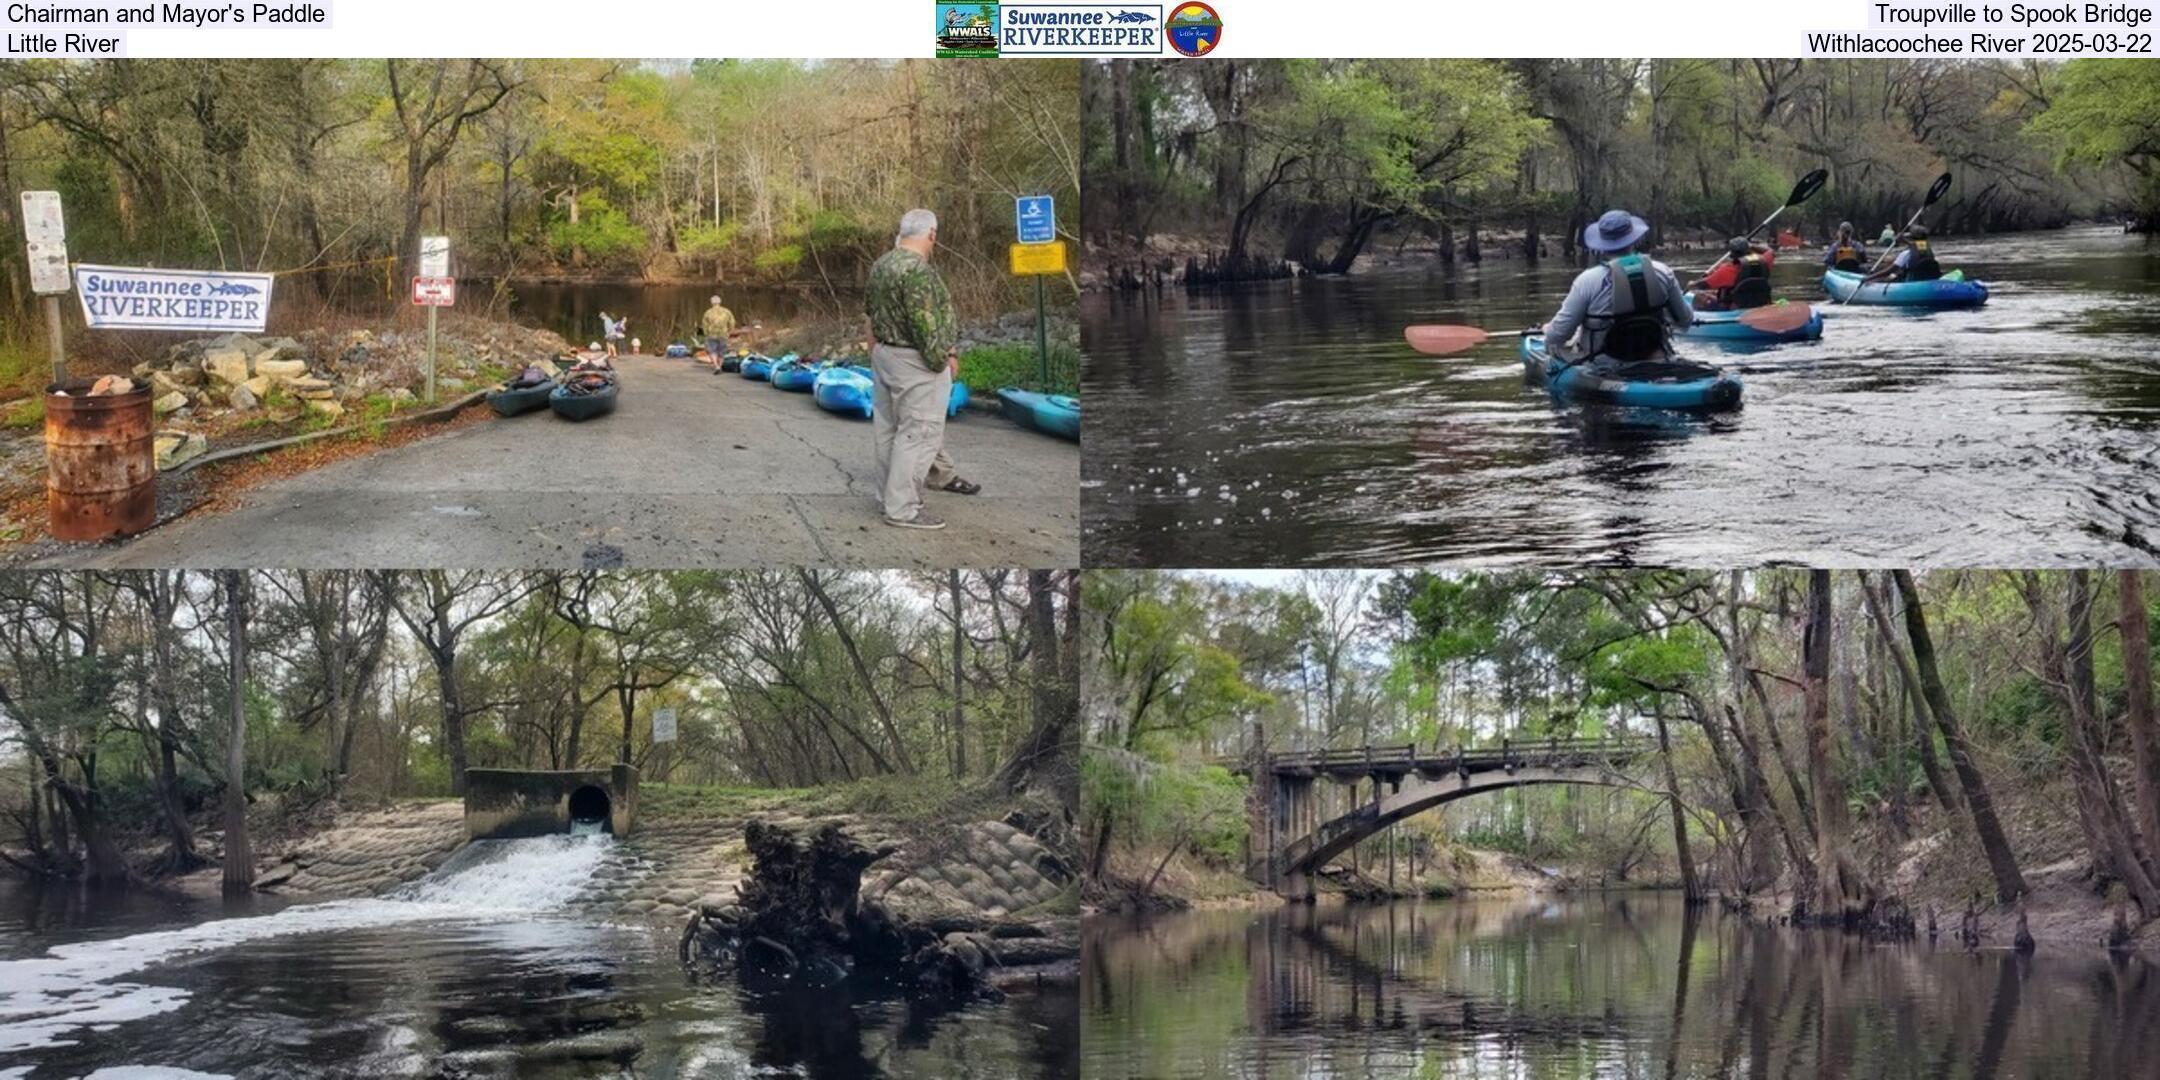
x=663 y=725
x=128 y=298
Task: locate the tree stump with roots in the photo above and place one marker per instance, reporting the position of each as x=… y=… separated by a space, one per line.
x=801 y=918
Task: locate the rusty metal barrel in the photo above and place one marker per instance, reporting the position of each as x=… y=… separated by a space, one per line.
x=101 y=459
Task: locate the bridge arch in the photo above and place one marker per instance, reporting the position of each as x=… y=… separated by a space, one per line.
x=1298 y=844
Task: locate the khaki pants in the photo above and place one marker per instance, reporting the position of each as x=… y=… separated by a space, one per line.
x=908 y=401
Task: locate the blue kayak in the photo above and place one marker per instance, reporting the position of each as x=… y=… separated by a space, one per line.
x=758 y=368
x=793 y=374
x=1726 y=326
x=844 y=389
x=1053 y=414
x=1657 y=384
x=678 y=351
x=1951 y=291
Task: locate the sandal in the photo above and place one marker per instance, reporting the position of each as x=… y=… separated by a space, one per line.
x=958 y=486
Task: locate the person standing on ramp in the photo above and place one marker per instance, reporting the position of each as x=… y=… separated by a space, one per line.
x=913 y=359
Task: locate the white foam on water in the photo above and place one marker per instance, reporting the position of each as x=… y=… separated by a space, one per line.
x=49 y=1000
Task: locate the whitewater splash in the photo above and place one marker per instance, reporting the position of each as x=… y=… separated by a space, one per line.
x=48 y=1000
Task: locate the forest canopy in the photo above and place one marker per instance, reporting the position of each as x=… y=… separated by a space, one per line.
x=780 y=172
x=1312 y=160
x=1835 y=732
x=118 y=695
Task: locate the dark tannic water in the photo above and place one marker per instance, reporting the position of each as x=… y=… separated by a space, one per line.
x=660 y=314
x=486 y=973
x=1288 y=424
x=1613 y=986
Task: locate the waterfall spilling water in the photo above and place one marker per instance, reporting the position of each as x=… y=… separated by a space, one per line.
x=49 y=1000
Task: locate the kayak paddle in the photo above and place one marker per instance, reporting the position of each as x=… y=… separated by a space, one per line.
x=1445 y=339
x=1801 y=192
x=1935 y=193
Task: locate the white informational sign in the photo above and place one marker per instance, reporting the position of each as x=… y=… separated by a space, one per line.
x=434 y=291
x=663 y=726
x=42 y=223
x=48 y=268
x=132 y=298
x=46 y=233
x=434 y=256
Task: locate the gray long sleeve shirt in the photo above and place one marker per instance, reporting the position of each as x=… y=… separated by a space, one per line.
x=1575 y=334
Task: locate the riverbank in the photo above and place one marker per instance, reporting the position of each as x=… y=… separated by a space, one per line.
x=965 y=855
x=1145 y=881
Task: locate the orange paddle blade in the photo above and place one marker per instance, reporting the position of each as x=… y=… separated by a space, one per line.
x=1777 y=318
x=1443 y=340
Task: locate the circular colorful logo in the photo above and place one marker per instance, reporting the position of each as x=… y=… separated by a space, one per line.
x=1194 y=29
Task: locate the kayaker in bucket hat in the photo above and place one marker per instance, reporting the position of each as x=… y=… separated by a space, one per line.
x=1650 y=302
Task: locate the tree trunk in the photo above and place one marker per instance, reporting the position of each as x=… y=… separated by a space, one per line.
x=1839 y=893
x=862 y=670
x=1690 y=884
x=2100 y=805
x=1053 y=706
x=959 y=713
x=2138 y=709
x=239 y=854
x=453 y=716
x=2009 y=883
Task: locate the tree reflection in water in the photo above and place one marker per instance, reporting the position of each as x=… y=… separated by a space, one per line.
x=1566 y=987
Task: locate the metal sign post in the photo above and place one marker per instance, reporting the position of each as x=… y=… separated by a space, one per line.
x=45 y=232
x=1035 y=226
x=434 y=263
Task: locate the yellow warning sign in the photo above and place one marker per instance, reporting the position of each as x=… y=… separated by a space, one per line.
x=1030 y=259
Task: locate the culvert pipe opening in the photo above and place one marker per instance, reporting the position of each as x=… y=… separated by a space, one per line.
x=589 y=806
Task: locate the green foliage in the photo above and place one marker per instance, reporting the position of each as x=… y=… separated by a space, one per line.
x=602 y=233
x=2103 y=112
x=778 y=261
x=991 y=366
x=1151 y=807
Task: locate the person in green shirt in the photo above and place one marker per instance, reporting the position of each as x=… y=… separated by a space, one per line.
x=718 y=325
x=914 y=357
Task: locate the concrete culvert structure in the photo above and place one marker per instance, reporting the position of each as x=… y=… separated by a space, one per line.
x=502 y=804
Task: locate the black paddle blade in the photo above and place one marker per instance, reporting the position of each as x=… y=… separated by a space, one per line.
x=1936 y=189
x=1807 y=187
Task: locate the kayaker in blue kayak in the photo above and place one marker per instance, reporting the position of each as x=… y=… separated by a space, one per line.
x=1846 y=252
x=1624 y=308
x=1740 y=280
x=1914 y=262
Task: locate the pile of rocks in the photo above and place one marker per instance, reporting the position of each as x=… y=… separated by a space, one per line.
x=321 y=372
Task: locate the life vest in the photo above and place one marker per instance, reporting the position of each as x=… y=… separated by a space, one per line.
x=1846 y=256
x=1639 y=299
x=1921 y=264
x=1751 y=288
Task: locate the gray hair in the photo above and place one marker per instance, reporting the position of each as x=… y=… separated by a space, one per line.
x=917 y=222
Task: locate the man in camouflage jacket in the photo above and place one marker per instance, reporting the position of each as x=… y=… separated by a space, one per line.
x=913 y=359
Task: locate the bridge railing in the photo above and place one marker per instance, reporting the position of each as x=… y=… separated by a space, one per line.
x=1403 y=757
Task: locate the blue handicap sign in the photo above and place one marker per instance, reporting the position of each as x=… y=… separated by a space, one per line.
x=1035 y=217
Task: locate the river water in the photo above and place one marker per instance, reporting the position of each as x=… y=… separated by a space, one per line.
x=1287 y=424
x=484 y=969
x=660 y=314
x=1611 y=986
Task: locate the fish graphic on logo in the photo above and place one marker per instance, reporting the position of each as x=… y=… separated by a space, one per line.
x=1195 y=29
x=1132 y=17
x=231 y=288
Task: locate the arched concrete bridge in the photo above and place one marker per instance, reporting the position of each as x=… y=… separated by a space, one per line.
x=1293 y=843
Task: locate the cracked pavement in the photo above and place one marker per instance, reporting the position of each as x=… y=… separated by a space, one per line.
x=691 y=470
